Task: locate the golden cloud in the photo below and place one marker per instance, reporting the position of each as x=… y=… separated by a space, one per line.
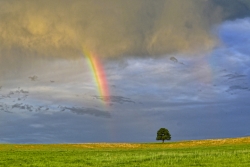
x=111 y=28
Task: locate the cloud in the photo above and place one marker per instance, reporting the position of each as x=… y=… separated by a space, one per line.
x=237 y=87
x=111 y=28
x=33 y=33
x=174 y=59
x=115 y=99
x=33 y=78
x=89 y=111
x=234 y=76
x=16 y=101
x=37 y=125
x=21 y=106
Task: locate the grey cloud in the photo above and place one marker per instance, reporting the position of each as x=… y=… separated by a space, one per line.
x=174 y=59
x=5 y=108
x=37 y=125
x=15 y=101
x=11 y=93
x=116 y=99
x=76 y=110
x=17 y=105
x=42 y=108
x=33 y=78
x=23 y=91
x=89 y=111
x=234 y=76
x=18 y=94
x=237 y=87
x=22 y=106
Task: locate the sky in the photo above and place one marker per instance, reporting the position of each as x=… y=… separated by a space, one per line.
x=117 y=71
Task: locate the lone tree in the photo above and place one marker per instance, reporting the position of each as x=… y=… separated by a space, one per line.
x=163 y=134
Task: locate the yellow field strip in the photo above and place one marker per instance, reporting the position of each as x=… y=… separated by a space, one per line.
x=179 y=144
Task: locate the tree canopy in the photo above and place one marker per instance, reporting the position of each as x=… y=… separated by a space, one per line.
x=163 y=134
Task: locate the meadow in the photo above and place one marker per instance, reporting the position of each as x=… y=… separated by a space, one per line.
x=220 y=152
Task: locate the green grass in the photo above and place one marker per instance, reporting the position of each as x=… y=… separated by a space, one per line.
x=224 y=152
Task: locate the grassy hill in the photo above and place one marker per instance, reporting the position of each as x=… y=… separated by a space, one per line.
x=218 y=152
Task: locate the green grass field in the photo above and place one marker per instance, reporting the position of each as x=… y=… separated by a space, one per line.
x=221 y=152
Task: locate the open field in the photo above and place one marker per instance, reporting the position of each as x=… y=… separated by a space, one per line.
x=220 y=152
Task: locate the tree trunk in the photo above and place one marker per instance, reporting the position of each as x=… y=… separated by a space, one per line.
x=162 y=141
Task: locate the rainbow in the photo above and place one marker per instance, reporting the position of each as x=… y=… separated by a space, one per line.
x=99 y=75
